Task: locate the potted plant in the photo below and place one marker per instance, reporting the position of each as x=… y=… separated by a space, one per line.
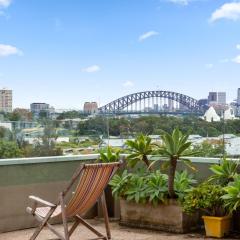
x=144 y=200
x=208 y=198
x=106 y=156
x=151 y=199
x=232 y=200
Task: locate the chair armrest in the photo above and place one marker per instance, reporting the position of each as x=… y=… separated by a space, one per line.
x=41 y=201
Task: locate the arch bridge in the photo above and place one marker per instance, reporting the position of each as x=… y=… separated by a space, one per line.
x=140 y=102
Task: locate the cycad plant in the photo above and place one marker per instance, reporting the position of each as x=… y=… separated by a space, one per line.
x=174 y=147
x=183 y=182
x=224 y=173
x=157 y=187
x=140 y=148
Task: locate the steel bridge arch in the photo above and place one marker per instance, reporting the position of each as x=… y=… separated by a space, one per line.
x=119 y=104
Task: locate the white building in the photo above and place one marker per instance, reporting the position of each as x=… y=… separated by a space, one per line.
x=229 y=114
x=211 y=115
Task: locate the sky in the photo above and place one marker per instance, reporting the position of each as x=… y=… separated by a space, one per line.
x=66 y=52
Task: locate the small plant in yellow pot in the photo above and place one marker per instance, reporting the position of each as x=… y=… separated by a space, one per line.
x=207 y=198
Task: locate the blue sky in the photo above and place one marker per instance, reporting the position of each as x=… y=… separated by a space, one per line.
x=66 y=52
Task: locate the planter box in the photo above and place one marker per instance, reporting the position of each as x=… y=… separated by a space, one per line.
x=217 y=226
x=166 y=217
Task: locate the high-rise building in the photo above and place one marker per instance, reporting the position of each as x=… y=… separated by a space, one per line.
x=217 y=98
x=212 y=98
x=238 y=96
x=5 y=100
x=90 y=107
x=221 y=98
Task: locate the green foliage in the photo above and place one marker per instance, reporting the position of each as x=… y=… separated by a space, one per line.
x=157 y=188
x=140 y=148
x=157 y=124
x=174 y=145
x=109 y=155
x=150 y=187
x=70 y=115
x=232 y=195
x=223 y=173
x=5 y=134
x=9 y=150
x=136 y=190
x=119 y=183
x=207 y=198
x=174 y=148
x=183 y=182
x=208 y=149
x=40 y=149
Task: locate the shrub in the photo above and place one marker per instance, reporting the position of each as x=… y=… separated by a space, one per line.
x=232 y=195
x=9 y=150
x=151 y=187
x=207 y=198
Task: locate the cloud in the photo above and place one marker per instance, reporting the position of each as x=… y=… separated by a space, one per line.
x=5 y=3
x=7 y=50
x=146 y=35
x=209 y=66
x=181 y=2
x=238 y=46
x=236 y=59
x=229 y=11
x=91 y=69
x=128 y=84
x=225 y=60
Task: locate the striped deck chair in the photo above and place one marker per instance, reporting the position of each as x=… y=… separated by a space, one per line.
x=91 y=180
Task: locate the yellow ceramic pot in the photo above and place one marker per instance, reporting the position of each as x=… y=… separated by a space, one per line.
x=217 y=226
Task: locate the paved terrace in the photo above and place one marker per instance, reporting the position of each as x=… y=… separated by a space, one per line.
x=46 y=177
x=118 y=233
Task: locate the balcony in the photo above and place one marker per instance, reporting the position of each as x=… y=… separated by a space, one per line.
x=46 y=177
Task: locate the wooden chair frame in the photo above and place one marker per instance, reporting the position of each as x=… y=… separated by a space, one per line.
x=77 y=219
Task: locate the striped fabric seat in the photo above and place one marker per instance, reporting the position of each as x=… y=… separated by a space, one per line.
x=91 y=185
x=91 y=181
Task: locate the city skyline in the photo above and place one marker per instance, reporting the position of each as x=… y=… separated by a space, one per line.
x=66 y=54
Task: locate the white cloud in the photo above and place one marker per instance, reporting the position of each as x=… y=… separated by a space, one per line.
x=128 y=84
x=227 y=11
x=236 y=59
x=147 y=35
x=5 y=3
x=209 y=66
x=181 y=2
x=225 y=60
x=91 y=69
x=7 y=50
x=238 y=46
